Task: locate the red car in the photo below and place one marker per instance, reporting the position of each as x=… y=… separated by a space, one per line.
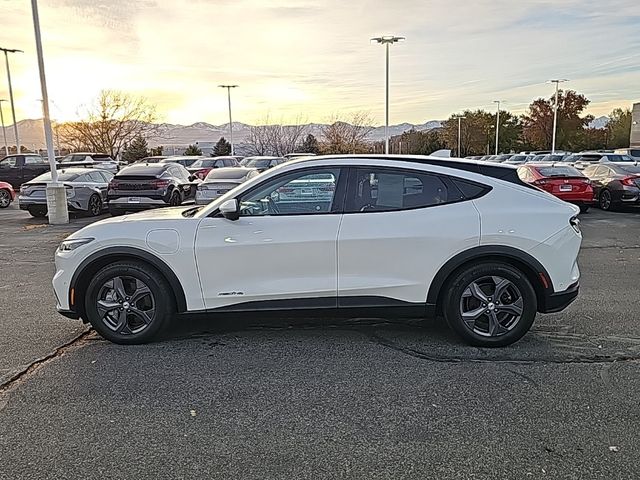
x=7 y=194
x=563 y=181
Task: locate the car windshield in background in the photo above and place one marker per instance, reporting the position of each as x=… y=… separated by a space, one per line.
x=257 y=163
x=227 y=174
x=62 y=176
x=517 y=159
x=204 y=163
x=559 y=172
x=620 y=158
x=554 y=158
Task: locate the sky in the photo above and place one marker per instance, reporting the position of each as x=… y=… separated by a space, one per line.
x=312 y=60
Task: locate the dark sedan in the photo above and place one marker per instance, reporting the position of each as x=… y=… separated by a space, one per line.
x=614 y=185
x=142 y=186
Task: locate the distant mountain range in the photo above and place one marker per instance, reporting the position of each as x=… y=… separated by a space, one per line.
x=32 y=133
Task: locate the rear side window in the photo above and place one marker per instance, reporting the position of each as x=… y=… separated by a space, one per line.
x=33 y=160
x=382 y=190
x=470 y=190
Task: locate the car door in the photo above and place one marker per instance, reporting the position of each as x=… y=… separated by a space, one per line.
x=281 y=252
x=399 y=227
x=11 y=170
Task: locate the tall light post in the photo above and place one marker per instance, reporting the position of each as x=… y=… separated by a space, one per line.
x=497 y=124
x=555 y=113
x=229 y=87
x=459 y=132
x=7 y=51
x=387 y=40
x=4 y=131
x=56 y=192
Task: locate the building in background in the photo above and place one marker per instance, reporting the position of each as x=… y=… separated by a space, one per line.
x=635 y=125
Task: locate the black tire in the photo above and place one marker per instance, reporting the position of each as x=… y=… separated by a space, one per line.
x=115 y=212
x=584 y=208
x=605 y=201
x=160 y=296
x=5 y=198
x=457 y=293
x=94 y=207
x=175 y=200
x=38 y=212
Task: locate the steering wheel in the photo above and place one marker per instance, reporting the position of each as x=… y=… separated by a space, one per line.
x=273 y=206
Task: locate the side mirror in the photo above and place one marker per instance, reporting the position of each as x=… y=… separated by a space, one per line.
x=230 y=209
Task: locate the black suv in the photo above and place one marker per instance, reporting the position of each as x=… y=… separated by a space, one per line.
x=18 y=169
x=142 y=186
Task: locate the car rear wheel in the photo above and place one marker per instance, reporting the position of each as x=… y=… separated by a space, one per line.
x=95 y=205
x=5 y=198
x=38 y=212
x=175 y=199
x=604 y=200
x=490 y=304
x=129 y=303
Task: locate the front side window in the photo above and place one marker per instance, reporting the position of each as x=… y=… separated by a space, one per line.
x=33 y=160
x=305 y=192
x=380 y=190
x=8 y=162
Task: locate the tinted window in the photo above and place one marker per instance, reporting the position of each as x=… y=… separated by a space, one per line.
x=470 y=190
x=559 y=172
x=8 y=162
x=230 y=162
x=95 y=177
x=34 y=160
x=62 y=176
x=107 y=176
x=379 y=190
x=306 y=192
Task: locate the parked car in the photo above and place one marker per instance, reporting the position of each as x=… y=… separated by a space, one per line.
x=7 y=194
x=614 y=184
x=584 y=159
x=86 y=191
x=153 y=159
x=262 y=163
x=143 y=186
x=554 y=157
x=562 y=181
x=220 y=180
x=201 y=168
x=17 y=169
x=631 y=152
x=399 y=236
x=102 y=161
x=185 y=161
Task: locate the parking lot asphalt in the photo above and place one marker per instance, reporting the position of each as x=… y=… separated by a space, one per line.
x=323 y=398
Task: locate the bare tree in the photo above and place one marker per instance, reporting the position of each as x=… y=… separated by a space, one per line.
x=110 y=123
x=278 y=140
x=347 y=136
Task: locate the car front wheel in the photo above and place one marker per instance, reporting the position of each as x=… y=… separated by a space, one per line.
x=604 y=201
x=95 y=205
x=490 y=304
x=129 y=302
x=5 y=198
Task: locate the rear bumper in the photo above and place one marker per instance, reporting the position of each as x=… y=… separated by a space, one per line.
x=556 y=302
x=144 y=203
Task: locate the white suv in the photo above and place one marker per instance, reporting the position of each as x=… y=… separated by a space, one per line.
x=375 y=235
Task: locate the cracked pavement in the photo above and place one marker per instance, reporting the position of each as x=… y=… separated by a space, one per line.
x=323 y=398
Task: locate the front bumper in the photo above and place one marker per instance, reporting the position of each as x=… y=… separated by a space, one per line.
x=67 y=313
x=558 y=301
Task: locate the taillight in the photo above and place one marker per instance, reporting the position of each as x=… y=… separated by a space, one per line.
x=158 y=184
x=201 y=174
x=539 y=183
x=630 y=181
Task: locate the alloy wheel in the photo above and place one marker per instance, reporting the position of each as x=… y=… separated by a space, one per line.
x=95 y=205
x=175 y=199
x=491 y=306
x=5 y=199
x=605 y=200
x=126 y=305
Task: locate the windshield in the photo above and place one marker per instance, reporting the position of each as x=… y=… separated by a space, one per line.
x=256 y=162
x=562 y=171
x=62 y=176
x=620 y=158
x=204 y=163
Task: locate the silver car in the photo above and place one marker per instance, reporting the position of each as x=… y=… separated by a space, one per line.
x=220 y=180
x=86 y=191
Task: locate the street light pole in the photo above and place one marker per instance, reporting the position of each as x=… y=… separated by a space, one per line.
x=497 y=124
x=229 y=87
x=7 y=51
x=387 y=40
x=56 y=192
x=4 y=131
x=459 y=134
x=555 y=113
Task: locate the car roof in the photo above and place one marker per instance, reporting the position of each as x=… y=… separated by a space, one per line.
x=228 y=172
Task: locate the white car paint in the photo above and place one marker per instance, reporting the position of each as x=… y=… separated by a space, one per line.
x=220 y=262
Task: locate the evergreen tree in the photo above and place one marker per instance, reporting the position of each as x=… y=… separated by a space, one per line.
x=135 y=150
x=193 y=150
x=310 y=145
x=157 y=151
x=221 y=148
x=619 y=128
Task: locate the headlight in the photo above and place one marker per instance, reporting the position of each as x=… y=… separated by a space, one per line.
x=70 y=192
x=72 y=244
